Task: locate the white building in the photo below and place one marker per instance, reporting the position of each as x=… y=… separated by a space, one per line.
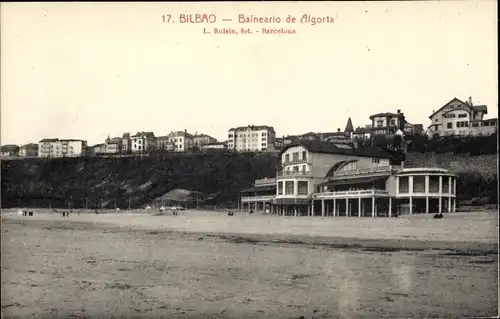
x=251 y=138
x=54 y=147
x=321 y=179
x=142 y=142
x=182 y=141
x=461 y=118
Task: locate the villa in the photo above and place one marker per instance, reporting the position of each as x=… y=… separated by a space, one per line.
x=317 y=178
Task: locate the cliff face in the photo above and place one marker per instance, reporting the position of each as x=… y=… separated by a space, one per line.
x=99 y=182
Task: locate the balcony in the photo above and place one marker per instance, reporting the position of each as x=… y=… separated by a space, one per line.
x=352 y=194
x=294 y=173
x=297 y=161
x=265 y=198
x=364 y=171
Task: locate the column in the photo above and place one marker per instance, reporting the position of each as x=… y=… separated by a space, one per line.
x=295 y=187
x=334 y=207
x=449 y=204
x=322 y=208
x=455 y=186
x=295 y=211
x=359 y=207
x=449 y=185
x=256 y=206
x=373 y=206
x=397 y=185
x=454 y=205
x=411 y=205
x=410 y=184
x=427 y=204
x=390 y=206
x=440 y=185
x=347 y=207
x=440 y=204
x=427 y=179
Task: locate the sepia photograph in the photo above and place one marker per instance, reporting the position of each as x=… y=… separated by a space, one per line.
x=288 y=159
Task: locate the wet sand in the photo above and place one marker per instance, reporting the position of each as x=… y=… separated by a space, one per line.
x=193 y=266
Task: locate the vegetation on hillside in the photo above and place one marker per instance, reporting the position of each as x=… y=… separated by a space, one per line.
x=109 y=182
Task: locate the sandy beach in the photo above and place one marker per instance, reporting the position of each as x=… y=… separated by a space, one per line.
x=210 y=265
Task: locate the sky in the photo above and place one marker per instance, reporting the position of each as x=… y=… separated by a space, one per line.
x=89 y=70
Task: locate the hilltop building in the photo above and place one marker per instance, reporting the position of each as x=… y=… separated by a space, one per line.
x=54 y=147
x=143 y=142
x=251 y=138
x=28 y=150
x=461 y=118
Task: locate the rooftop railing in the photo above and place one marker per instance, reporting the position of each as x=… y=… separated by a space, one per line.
x=257 y=198
x=379 y=169
x=357 y=193
x=293 y=173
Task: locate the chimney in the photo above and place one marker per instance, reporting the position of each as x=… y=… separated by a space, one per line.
x=338 y=130
x=470 y=101
x=399 y=111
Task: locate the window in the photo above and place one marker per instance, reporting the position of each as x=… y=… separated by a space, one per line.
x=449 y=125
x=380 y=123
x=419 y=184
x=295 y=156
x=462 y=115
x=302 y=188
x=393 y=122
x=375 y=160
x=287 y=158
x=446 y=186
x=404 y=184
x=304 y=155
x=289 y=187
x=433 y=184
x=280 y=188
x=436 y=120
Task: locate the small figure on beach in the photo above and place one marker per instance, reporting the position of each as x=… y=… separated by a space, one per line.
x=64 y=214
x=251 y=211
x=30 y=213
x=230 y=214
x=174 y=213
x=438 y=215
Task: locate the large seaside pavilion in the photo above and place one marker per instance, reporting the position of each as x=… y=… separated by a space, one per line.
x=323 y=179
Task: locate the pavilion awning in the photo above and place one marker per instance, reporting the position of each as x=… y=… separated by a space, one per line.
x=259 y=189
x=360 y=180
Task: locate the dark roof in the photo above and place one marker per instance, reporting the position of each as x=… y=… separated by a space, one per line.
x=476 y=108
x=349 y=127
x=495 y=120
x=480 y=108
x=387 y=114
x=362 y=130
x=253 y=127
x=259 y=189
x=10 y=148
x=49 y=140
x=147 y=134
x=316 y=146
x=202 y=135
x=30 y=145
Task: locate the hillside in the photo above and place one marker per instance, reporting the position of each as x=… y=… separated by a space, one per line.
x=36 y=182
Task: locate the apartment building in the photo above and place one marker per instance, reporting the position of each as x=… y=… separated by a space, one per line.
x=143 y=142
x=10 y=150
x=203 y=139
x=113 y=145
x=54 y=147
x=461 y=118
x=163 y=143
x=182 y=141
x=126 y=143
x=387 y=123
x=28 y=150
x=251 y=138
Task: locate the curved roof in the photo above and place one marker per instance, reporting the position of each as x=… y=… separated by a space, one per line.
x=337 y=166
x=316 y=146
